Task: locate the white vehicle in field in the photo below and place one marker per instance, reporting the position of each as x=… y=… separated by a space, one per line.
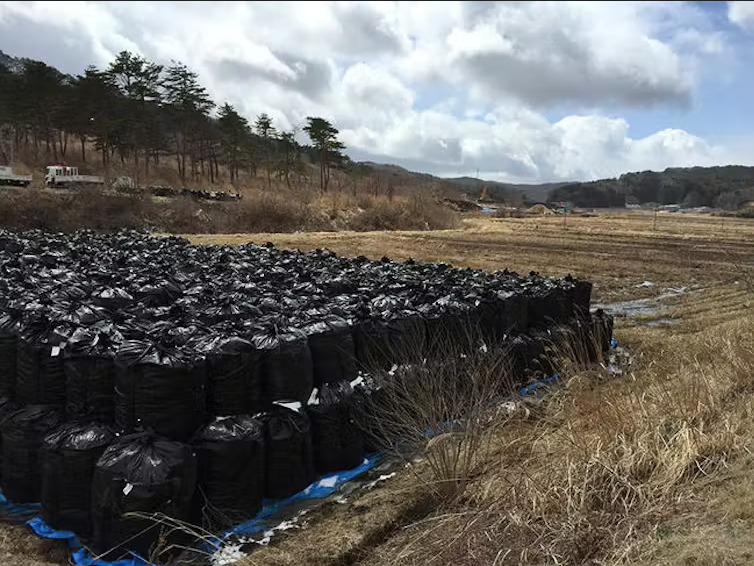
x=8 y=177
x=62 y=175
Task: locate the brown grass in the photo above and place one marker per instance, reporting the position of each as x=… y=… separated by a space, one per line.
x=651 y=467
x=259 y=211
x=597 y=472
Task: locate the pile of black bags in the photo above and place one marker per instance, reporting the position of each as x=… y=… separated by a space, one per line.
x=147 y=375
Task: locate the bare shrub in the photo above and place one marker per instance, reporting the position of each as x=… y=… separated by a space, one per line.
x=439 y=410
x=413 y=213
x=590 y=476
x=267 y=212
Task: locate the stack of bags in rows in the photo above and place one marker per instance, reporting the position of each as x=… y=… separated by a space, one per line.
x=109 y=487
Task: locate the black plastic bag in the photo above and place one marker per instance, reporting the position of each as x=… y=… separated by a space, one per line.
x=89 y=368
x=8 y=347
x=548 y=303
x=289 y=465
x=23 y=433
x=7 y=408
x=234 y=384
x=286 y=364
x=159 y=388
x=336 y=438
x=372 y=344
x=602 y=328
x=69 y=456
x=582 y=297
x=145 y=474
x=40 y=378
x=332 y=350
x=230 y=480
x=369 y=409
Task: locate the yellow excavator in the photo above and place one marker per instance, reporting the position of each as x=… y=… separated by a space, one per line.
x=484 y=197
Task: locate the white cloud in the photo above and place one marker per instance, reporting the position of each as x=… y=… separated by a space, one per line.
x=741 y=13
x=446 y=87
x=517 y=145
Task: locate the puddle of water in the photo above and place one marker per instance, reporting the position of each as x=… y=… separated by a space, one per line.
x=647 y=307
x=662 y=322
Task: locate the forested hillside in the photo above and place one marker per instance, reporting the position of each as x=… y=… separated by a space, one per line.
x=728 y=187
x=138 y=112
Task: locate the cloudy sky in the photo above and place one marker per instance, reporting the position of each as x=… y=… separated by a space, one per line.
x=521 y=91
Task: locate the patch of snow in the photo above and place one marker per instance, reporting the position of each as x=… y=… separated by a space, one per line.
x=645 y=284
x=227 y=554
x=329 y=482
x=269 y=533
x=383 y=477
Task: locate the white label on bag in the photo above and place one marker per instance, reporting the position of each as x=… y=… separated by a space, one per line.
x=55 y=351
x=127 y=489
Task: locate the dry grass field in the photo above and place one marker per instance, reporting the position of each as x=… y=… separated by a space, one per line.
x=649 y=467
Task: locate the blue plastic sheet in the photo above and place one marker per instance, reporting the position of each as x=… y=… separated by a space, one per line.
x=533 y=385
x=79 y=554
x=323 y=487
x=17 y=511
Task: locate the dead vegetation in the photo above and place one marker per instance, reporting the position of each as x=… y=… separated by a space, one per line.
x=651 y=467
x=259 y=211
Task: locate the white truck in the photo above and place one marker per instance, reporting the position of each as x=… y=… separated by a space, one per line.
x=61 y=175
x=9 y=178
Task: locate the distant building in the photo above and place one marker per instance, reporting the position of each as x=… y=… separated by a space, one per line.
x=670 y=207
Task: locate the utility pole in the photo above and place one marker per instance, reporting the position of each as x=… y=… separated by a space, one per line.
x=654 y=220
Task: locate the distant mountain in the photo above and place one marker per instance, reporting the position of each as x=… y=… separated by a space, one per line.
x=728 y=187
x=12 y=64
x=530 y=193
x=469 y=187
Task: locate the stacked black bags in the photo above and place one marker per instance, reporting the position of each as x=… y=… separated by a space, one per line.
x=285 y=363
x=231 y=463
x=289 y=465
x=332 y=349
x=23 y=434
x=336 y=439
x=69 y=455
x=234 y=381
x=159 y=388
x=89 y=368
x=145 y=475
x=7 y=408
x=8 y=346
x=40 y=378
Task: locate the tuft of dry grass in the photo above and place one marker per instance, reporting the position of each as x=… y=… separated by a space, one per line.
x=593 y=476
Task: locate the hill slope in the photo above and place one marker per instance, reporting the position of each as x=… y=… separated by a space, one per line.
x=470 y=187
x=729 y=187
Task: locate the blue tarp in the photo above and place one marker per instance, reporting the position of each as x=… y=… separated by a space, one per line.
x=323 y=487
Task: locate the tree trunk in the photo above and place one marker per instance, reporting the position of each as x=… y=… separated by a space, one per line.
x=322 y=186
